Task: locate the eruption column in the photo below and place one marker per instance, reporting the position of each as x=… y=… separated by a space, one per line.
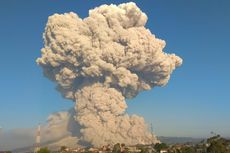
x=101 y=111
x=101 y=60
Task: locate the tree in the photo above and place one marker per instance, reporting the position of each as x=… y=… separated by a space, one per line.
x=126 y=150
x=44 y=150
x=63 y=148
x=116 y=148
x=159 y=146
x=217 y=144
x=188 y=150
x=217 y=147
x=214 y=138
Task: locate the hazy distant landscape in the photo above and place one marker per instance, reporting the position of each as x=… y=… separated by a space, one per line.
x=180 y=140
x=214 y=144
x=167 y=140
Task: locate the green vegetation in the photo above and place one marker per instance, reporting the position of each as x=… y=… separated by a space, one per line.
x=44 y=150
x=188 y=150
x=116 y=148
x=63 y=148
x=218 y=145
x=160 y=146
x=215 y=144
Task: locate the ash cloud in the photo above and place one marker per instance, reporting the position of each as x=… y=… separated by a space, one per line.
x=101 y=60
x=60 y=129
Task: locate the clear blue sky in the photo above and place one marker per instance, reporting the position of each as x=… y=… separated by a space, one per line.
x=196 y=100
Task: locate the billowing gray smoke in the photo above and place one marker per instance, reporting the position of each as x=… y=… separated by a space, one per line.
x=99 y=61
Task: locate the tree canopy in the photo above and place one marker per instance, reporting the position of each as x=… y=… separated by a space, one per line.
x=44 y=150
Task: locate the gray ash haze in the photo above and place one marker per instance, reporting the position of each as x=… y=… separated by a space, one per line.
x=100 y=61
x=61 y=129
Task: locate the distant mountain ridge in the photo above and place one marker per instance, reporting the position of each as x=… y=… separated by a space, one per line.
x=175 y=140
